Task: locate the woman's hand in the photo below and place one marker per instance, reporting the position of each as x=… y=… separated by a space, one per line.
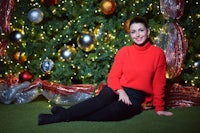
x=123 y=97
x=164 y=113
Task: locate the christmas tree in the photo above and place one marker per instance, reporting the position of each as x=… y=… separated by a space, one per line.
x=75 y=41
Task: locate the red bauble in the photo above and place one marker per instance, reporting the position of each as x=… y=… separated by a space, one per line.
x=25 y=76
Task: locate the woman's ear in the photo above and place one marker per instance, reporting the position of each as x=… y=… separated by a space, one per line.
x=148 y=32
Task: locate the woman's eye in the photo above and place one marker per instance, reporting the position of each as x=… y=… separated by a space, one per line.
x=132 y=31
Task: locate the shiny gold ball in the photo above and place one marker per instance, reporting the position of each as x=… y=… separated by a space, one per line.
x=66 y=53
x=19 y=57
x=127 y=25
x=108 y=6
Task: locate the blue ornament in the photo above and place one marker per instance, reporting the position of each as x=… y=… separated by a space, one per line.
x=46 y=66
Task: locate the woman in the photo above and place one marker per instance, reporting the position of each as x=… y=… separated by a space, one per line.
x=136 y=76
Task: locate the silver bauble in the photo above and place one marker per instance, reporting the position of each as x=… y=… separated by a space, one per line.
x=15 y=36
x=86 y=42
x=35 y=15
x=66 y=53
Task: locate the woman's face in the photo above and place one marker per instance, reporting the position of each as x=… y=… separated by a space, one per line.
x=139 y=33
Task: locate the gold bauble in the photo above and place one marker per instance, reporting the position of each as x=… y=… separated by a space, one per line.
x=127 y=25
x=108 y=6
x=66 y=53
x=19 y=57
x=23 y=58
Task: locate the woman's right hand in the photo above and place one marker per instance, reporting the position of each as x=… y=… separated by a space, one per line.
x=164 y=113
x=123 y=97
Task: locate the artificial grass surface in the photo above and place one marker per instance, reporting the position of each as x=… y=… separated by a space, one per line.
x=22 y=118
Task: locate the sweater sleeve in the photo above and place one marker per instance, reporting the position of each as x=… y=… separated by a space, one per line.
x=159 y=82
x=116 y=70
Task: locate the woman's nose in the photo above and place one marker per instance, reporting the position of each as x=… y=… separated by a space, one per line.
x=137 y=34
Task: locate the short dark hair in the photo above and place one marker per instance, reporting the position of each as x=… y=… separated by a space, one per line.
x=139 y=19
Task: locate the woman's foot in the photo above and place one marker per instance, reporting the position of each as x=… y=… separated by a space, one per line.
x=48 y=119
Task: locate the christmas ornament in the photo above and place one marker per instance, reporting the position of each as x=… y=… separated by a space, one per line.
x=25 y=76
x=127 y=25
x=35 y=15
x=86 y=42
x=108 y=6
x=19 y=57
x=22 y=58
x=49 y=2
x=197 y=64
x=46 y=66
x=16 y=56
x=66 y=53
x=15 y=36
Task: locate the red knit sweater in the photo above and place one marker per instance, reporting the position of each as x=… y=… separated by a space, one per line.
x=142 y=68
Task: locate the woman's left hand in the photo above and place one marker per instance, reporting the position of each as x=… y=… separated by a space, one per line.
x=164 y=113
x=123 y=97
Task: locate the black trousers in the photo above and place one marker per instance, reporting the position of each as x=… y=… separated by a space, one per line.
x=106 y=107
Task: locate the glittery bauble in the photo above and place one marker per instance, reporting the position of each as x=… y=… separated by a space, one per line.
x=127 y=25
x=35 y=15
x=15 y=36
x=46 y=66
x=25 y=76
x=108 y=6
x=86 y=42
x=66 y=53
